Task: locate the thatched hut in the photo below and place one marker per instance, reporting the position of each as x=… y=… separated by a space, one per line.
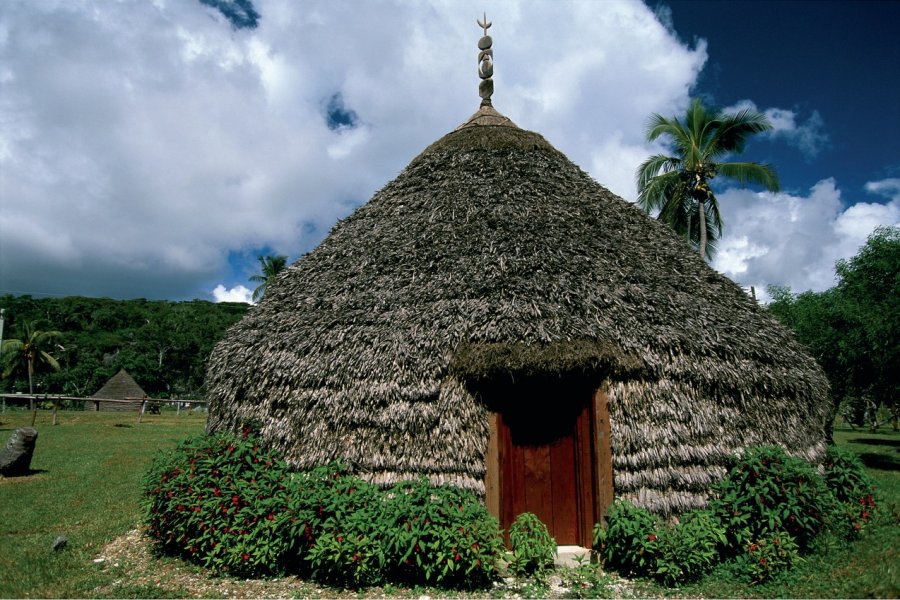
x=121 y=393
x=495 y=319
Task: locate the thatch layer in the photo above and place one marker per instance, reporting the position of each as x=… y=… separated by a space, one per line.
x=120 y=386
x=493 y=256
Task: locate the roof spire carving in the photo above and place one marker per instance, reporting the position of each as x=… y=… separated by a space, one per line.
x=485 y=64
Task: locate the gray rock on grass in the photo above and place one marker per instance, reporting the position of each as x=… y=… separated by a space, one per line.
x=15 y=458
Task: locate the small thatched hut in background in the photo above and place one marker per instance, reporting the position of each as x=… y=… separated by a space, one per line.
x=120 y=387
x=496 y=320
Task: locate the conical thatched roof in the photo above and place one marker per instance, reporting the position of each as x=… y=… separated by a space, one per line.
x=490 y=257
x=120 y=386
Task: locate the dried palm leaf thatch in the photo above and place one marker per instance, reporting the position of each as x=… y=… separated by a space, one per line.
x=493 y=257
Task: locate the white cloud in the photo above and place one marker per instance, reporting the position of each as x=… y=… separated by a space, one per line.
x=810 y=136
x=794 y=240
x=142 y=143
x=236 y=294
x=889 y=188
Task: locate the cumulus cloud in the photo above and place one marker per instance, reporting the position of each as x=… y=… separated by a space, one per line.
x=809 y=136
x=144 y=143
x=794 y=240
x=236 y=294
x=889 y=188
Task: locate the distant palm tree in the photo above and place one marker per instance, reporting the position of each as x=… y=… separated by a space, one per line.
x=678 y=186
x=271 y=266
x=27 y=353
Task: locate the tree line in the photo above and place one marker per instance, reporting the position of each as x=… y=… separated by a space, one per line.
x=163 y=345
x=853 y=329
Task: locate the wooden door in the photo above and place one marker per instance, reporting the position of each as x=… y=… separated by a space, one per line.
x=546 y=468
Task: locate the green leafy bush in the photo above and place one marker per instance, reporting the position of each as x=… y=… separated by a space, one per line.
x=336 y=526
x=228 y=504
x=853 y=489
x=630 y=542
x=533 y=550
x=220 y=501
x=768 y=492
x=766 y=557
x=690 y=548
x=439 y=535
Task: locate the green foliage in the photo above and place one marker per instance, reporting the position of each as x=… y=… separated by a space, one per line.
x=233 y=507
x=630 y=541
x=163 y=345
x=679 y=186
x=767 y=492
x=852 y=488
x=768 y=510
x=220 y=501
x=853 y=329
x=689 y=549
x=586 y=580
x=767 y=556
x=270 y=266
x=635 y=542
x=533 y=550
x=440 y=535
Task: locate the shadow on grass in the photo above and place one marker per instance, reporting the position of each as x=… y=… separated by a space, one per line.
x=28 y=474
x=874 y=460
x=876 y=442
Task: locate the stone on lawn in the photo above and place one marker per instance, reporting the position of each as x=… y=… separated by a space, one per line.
x=15 y=459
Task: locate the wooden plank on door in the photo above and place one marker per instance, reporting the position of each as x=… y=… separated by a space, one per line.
x=587 y=505
x=564 y=484
x=492 y=468
x=537 y=481
x=602 y=454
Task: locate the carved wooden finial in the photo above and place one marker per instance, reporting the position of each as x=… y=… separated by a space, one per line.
x=485 y=63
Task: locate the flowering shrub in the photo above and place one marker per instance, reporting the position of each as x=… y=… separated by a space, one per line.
x=335 y=520
x=635 y=542
x=768 y=492
x=853 y=489
x=230 y=505
x=439 y=535
x=768 y=556
x=690 y=548
x=220 y=501
x=767 y=510
x=533 y=550
x=630 y=543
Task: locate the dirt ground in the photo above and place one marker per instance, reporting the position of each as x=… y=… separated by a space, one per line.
x=130 y=559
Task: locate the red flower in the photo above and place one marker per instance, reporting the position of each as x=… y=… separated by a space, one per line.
x=271 y=517
x=753 y=547
x=245 y=556
x=856 y=526
x=651 y=537
x=762 y=561
x=456 y=557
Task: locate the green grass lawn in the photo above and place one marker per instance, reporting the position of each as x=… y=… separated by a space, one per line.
x=86 y=482
x=85 y=485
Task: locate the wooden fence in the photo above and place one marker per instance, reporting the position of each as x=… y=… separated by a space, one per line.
x=140 y=404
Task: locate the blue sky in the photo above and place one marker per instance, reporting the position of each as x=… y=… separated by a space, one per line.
x=833 y=63
x=154 y=149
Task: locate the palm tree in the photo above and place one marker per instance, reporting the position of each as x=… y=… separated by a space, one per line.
x=29 y=352
x=271 y=266
x=679 y=186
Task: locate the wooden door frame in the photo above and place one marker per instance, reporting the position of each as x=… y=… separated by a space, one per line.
x=598 y=451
